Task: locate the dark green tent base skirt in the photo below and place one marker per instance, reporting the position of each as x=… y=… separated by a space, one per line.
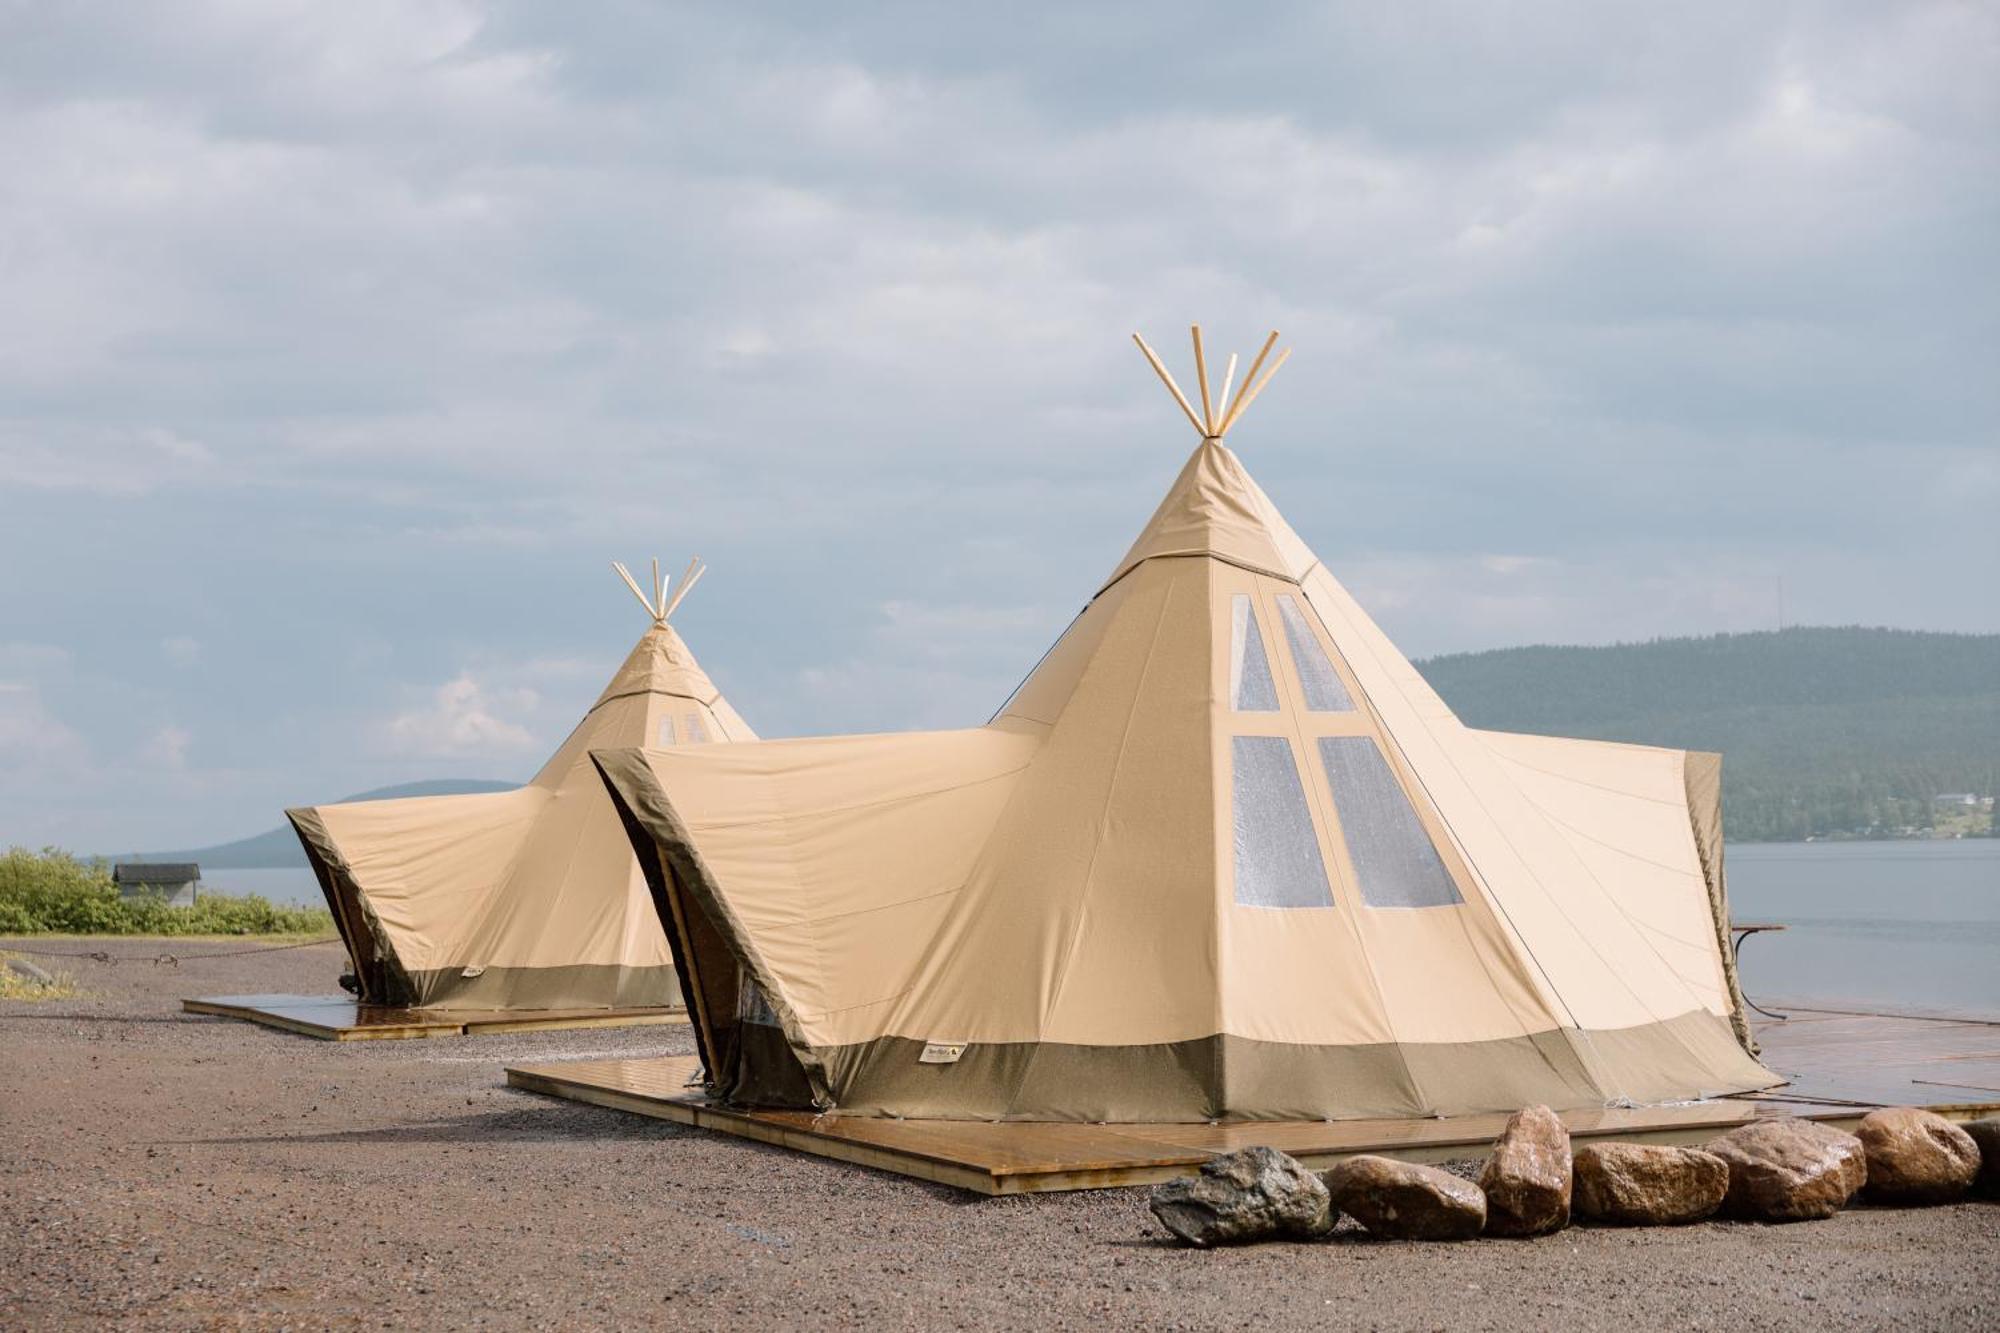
x=578 y=986
x=1233 y=1078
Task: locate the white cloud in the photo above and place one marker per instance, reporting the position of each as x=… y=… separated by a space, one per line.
x=1511 y=564
x=167 y=748
x=928 y=665
x=181 y=649
x=113 y=461
x=35 y=744
x=464 y=718
x=565 y=669
x=31 y=659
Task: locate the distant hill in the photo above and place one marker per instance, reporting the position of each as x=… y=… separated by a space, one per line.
x=1822 y=731
x=279 y=848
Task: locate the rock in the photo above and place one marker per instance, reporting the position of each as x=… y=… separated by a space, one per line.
x=1404 y=1201
x=1985 y=1135
x=1253 y=1194
x=1526 y=1180
x=1916 y=1156
x=1644 y=1184
x=1789 y=1170
x=27 y=971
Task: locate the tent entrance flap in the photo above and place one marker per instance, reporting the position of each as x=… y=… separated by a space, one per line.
x=742 y=1043
x=376 y=971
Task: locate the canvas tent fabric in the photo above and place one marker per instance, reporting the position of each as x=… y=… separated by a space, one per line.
x=1223 y=855
x=524 y=899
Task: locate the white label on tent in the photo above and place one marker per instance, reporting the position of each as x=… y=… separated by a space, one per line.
x=941 y=1053
x=471 y=972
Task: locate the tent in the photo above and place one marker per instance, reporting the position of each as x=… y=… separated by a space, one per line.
x=1223 y=855
x=523 y=899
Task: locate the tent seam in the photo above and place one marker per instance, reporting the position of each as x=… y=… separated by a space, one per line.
x=1083 y=890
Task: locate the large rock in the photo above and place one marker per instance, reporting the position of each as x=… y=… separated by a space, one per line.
x=1643 y=1184
x=1985 y=1135
x=1788 y=1170
x=1404 y=1201
x=1916 y=1156
x=1254 y=1194
x=1526 y=1180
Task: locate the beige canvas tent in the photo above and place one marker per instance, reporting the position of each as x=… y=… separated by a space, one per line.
x=524 y=899
x=1224 y=854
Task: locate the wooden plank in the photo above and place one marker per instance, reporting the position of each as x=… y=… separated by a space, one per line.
x=342 y=1018
x=548 y=1080
x=318 y=1017
x=603 y=1018
x=1912 y=1015
x=1884 y=1059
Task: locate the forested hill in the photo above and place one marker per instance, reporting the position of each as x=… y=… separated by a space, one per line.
x=1822 y=730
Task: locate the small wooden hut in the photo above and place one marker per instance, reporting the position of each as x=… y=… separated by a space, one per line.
x=176 y=881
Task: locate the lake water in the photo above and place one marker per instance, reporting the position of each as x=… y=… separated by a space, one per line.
x=294 y=886
x=1914 y=925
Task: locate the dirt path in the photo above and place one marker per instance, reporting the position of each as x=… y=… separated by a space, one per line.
x=163 y=1171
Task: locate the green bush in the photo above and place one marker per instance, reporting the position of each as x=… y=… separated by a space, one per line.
x=53 y=893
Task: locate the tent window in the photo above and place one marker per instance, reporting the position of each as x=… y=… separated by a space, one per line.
x=751 y=1006
x=1393 y=857
x=1251 y=689
x=666 y=731
x=692 y=728
x=1277 y=854
x=1324 y=692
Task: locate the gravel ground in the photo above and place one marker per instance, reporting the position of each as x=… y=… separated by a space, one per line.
x=171 y=1171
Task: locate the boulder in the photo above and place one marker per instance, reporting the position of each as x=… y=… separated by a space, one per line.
x=1526 y=1180
x=1916 y=1156
x=1985 y=1135
x=1644 y=1184
x=1253 y=1194
x=1789 y=1170
x=1404 y=1201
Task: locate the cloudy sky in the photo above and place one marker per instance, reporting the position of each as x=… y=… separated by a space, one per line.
x=343 y=345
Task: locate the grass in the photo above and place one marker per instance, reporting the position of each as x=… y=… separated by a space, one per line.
x=51 y=892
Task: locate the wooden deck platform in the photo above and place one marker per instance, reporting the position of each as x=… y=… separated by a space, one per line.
x=1940 y=1060
x=342 y=1018
x=1843 y=1065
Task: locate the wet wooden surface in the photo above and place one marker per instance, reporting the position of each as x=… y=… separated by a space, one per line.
x=343 y=1018
x=1883 y=1060
x=1840 y=1064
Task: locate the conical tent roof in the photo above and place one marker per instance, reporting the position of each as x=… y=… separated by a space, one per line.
x=528 y=898
x=1223 y=854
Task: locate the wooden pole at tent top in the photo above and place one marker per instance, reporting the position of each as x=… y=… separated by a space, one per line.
x=1173 y=388
x=695 y=570
x=1201 y=373
x=632 y=583
x=1208 y=423
x=1243 y=404
x=660 y=605
x=1229 y=417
